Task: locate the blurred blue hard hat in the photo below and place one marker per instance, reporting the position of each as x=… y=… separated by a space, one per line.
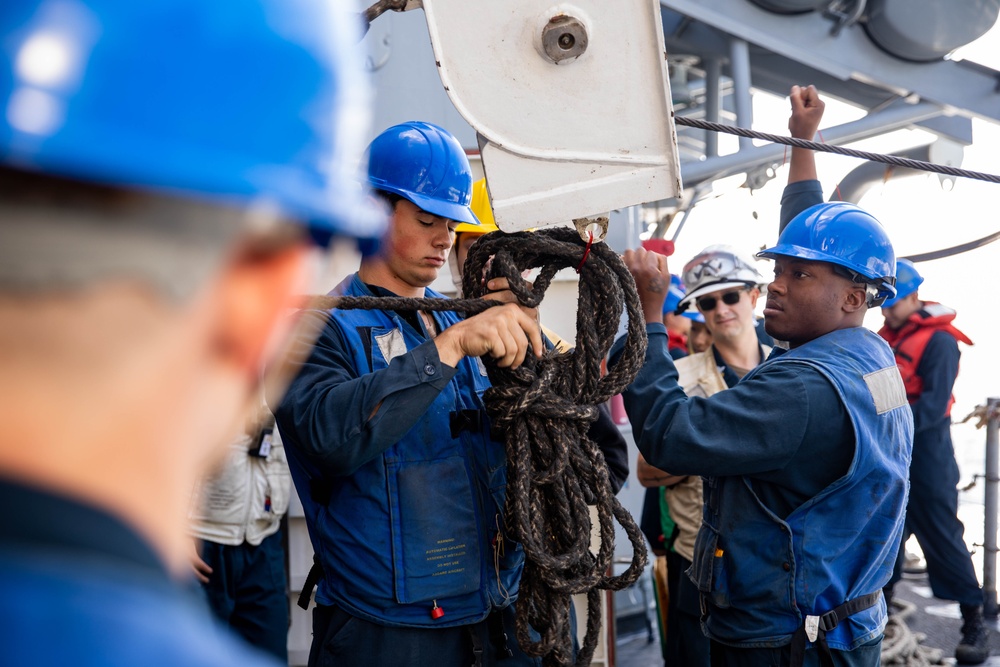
x=844 y=235
x=674 y=294
x=425 y=164
x=261 y=101
x=908 y=279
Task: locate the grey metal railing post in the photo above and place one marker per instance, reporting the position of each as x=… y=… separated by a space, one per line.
x=992 y=473
x=739 y=67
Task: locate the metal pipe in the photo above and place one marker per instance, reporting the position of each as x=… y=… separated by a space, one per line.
x=990 y=508
x=860 y=180
x=713 y=103
x=871 y=125
x=739 y=65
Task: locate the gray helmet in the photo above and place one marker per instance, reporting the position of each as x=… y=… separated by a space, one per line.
x=715 y=268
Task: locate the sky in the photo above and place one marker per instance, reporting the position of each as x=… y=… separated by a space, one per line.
x=920 y=214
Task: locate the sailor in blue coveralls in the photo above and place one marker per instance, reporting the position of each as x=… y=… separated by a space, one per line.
x=805 y=459
x=162 y=166
x=389 y=445
x=929 y=370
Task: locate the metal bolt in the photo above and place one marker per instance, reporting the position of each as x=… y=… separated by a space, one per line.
x=564 y=38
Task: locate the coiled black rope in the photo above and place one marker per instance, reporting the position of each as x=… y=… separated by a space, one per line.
x=542 y=412
x=839 y=150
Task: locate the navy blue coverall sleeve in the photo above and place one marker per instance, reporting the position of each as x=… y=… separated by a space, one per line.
x=933 y=465
x=339 y=419
x=796 y=198
x=785 y=427
x=723 y=435
x=938 y=370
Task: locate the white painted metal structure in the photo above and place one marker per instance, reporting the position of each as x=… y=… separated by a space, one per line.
x=580 y=133
x=574 y=116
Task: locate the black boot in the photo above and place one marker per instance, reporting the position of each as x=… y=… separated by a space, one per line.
x=973 y=649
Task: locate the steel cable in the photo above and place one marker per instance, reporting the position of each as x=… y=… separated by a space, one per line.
x=839 y=150
x=894 y=160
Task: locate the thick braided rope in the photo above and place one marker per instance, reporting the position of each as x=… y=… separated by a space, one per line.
x=542 y=412
x=894 y=160
x=901 y=646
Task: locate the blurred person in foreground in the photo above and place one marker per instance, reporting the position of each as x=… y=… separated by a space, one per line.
x=163 y=166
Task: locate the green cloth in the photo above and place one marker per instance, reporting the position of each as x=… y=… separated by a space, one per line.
x=666 y=523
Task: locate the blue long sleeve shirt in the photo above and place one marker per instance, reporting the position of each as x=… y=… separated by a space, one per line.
x=339 y=419
x=785 y=429
x=933 y=463
x=796 y=198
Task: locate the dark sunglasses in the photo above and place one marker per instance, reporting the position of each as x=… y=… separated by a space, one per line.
x=707 y=303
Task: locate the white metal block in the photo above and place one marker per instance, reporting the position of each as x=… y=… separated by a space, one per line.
x=570 y=100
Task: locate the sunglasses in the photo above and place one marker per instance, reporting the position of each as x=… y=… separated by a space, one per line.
x=707 y=303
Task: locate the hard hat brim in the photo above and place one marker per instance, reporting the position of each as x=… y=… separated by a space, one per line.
x=883 y=283
x=444 y=209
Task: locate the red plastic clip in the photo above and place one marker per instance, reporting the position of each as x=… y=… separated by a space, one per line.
x=661 y=246
x=436 y=611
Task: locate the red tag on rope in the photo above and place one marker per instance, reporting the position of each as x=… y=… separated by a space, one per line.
x=586 y=251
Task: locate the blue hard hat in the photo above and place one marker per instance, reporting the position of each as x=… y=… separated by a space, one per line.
x=425 y=164
x=674 y=294
x=845 y=235
x=908 y=279
x=259 y=101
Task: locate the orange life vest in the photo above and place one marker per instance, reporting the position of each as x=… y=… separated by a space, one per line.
x=910 y=340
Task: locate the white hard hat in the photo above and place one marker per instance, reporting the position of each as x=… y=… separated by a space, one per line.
x=718 y=267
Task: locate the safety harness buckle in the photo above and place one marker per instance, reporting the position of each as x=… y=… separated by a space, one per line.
x=812 y=627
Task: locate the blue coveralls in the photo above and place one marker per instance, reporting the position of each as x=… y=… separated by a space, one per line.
x=78 y=587
x=932 y=510
x=786 y=431
x=390 y=485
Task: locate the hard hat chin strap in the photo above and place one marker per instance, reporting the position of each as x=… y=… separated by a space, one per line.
x=876 y=296
x=876 y=290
